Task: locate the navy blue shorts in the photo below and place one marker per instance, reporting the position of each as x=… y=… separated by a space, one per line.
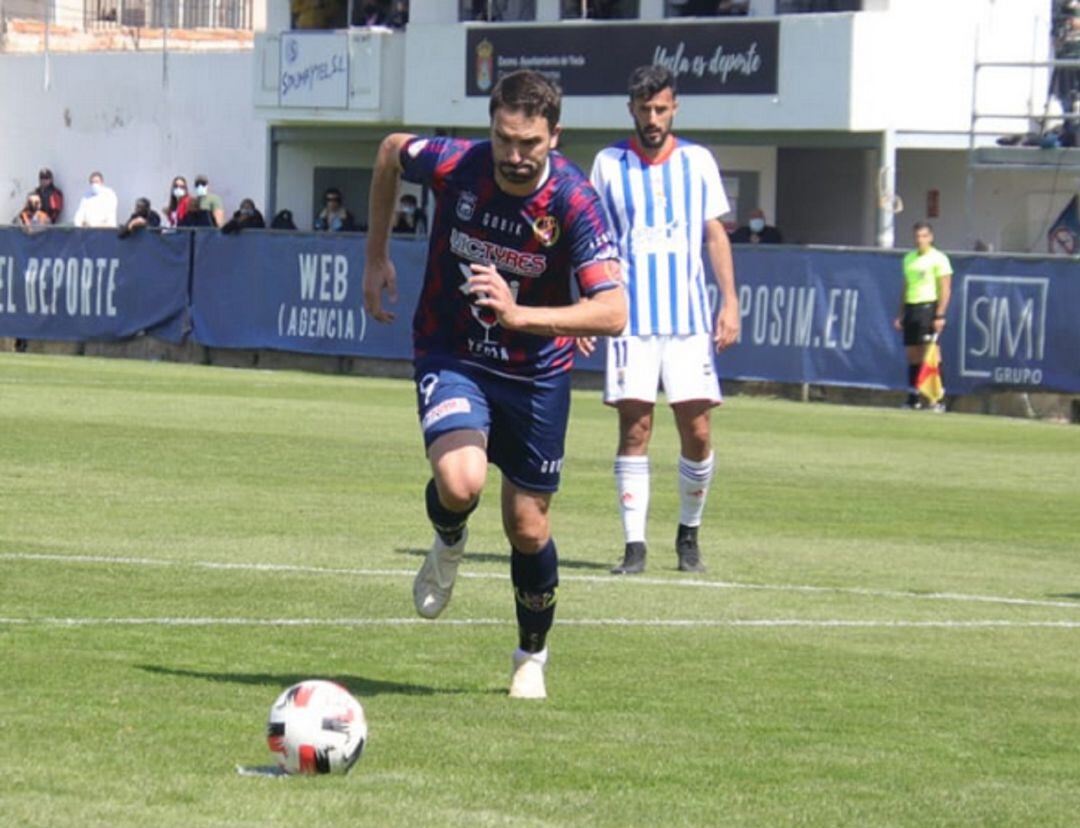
x=524 y=420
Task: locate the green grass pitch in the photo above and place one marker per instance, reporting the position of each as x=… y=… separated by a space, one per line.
x=888 y=633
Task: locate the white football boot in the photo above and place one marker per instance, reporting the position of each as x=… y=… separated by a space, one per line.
x=527 y=681
x=434 y=582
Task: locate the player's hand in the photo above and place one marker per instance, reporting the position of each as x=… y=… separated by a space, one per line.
x=586 y=345
x=379 y=275
x=491 y=291
x=939 y=325
x=728 y=323
x=898 y=323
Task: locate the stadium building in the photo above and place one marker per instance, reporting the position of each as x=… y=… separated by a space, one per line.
x=830 y=116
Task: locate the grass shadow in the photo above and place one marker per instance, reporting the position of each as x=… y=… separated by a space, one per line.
x=504 y=558
x=1073 y=596
x=360 y=686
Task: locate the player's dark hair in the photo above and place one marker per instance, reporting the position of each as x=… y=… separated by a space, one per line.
x=528 y=92
x=922 y=225
x=646 y=81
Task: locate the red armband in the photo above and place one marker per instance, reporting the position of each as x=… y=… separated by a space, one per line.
x=598 y=276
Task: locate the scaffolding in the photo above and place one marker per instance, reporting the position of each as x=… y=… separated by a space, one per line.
x=1037 y=150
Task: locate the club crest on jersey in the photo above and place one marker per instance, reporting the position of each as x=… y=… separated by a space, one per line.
x=546 y=230
x=466 y=206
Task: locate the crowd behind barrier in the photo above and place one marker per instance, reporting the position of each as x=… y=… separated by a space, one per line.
x=809 y=315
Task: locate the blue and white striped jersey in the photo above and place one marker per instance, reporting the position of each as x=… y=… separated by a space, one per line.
x=658 y=211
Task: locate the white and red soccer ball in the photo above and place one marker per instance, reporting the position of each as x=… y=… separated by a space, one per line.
x=316 y=727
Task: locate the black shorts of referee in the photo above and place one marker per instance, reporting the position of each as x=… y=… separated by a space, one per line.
x=919 y=323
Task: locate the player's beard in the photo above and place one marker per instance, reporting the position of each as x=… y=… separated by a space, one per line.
x=519 y=173
x=652 y=137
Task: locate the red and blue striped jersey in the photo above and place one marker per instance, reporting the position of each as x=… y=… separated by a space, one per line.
x=540 y=243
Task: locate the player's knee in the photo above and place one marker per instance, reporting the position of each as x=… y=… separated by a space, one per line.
x=460 y=492
x=634 y=439
x=528 y=536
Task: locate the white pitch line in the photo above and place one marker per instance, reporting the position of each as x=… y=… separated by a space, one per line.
x=565 y=578
x=682 y=623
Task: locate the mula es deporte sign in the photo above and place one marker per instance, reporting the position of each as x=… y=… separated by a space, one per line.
x=707 y=58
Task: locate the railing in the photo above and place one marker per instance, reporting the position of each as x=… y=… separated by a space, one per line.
x=93 y=15
x=173 y=14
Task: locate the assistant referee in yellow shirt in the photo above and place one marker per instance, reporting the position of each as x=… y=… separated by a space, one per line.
x=923 y=304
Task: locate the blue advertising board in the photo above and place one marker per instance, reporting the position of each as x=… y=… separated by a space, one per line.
x=298 y=292
x=808 y=315
x=69 y=284
x=824 y=316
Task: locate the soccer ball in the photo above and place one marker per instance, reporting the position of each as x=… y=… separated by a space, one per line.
x=316 y=727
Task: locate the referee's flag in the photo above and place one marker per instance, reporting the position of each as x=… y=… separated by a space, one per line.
x=928 y=382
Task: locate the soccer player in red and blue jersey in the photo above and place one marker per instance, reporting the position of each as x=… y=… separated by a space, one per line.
x=515 y=225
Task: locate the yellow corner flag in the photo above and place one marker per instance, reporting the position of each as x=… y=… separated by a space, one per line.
x=928 y=382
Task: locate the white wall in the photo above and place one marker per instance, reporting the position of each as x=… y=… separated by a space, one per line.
x=297 y=161
x=112 y=112
x=1013 y=208
x=915 y=64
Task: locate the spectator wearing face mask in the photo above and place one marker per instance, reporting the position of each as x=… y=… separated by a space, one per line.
x=756 y=231
x=141 y=217
x=32 y=214
x=409 y=218
x=52 y=198
x=334 y=217
x=246 y=217
x=98 y=207
x=204 y=209
x=176 y=208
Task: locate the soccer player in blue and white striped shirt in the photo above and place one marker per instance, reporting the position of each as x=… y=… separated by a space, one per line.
x=664 y=197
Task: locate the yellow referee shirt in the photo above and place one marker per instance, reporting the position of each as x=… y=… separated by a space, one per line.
x=921 y=274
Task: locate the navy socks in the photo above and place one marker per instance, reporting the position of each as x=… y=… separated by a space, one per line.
x=449 y=525
x=535 y=579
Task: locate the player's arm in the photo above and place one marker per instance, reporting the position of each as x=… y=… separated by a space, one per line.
x=718 y=249
x=379 y=273
x=601 y=314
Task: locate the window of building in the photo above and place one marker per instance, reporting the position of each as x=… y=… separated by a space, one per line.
x=706 y=8
x=497 y=11
x=600 y=9
x=337 y=14
x=808 y=6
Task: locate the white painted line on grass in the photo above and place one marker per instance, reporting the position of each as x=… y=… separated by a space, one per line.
x=682 y=623
x=566 y=578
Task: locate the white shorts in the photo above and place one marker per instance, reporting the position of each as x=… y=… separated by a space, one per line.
x=636 y=365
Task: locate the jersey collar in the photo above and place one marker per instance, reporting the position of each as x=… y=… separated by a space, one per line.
x=664 y=155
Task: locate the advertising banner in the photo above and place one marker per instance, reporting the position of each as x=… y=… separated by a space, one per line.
x=66 y=284
x=826 y=317
x=1014 y=323
x=707 y=57
x=814 y=315
x=298 y=292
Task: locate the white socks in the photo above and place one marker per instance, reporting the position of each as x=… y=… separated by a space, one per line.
x=632 y=487
x=694 y=478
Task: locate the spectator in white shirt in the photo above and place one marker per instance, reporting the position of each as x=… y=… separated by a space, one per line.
x=98 y=207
